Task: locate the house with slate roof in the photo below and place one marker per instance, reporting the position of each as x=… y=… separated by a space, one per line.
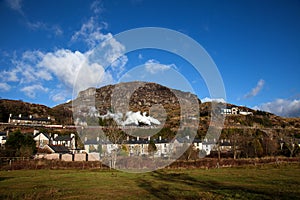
x=64 y=140
x=92 y=145
x=41 y=139
x=28 y=120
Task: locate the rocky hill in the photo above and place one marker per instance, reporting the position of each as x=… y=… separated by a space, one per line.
x=167 y=105
x=160 y=102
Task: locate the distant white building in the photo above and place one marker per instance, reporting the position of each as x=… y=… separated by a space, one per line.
x=245 y=113
x=234 y=111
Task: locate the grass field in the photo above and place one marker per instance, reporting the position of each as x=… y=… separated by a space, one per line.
x=250 y=182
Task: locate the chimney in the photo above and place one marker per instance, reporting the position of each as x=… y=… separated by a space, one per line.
x=10 y=116
x=35 y=132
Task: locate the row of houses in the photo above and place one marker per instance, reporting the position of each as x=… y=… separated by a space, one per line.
x=134 y=146
x=164 y=148
x=20 y=119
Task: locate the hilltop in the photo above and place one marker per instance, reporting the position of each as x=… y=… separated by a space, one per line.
x=15 y=107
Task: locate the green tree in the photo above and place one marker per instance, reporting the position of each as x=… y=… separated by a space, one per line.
x=257 y=147
x=20 y=145
x=152 y=148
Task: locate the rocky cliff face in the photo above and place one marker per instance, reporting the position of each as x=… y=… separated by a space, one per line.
x=160 y=102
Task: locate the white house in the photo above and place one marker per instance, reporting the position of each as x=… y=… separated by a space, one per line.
x=41 y=139
x=208 y=145
x=64 y=140
x=91 y=145
x=230 y=111
x=2 y=138
x=163 y=148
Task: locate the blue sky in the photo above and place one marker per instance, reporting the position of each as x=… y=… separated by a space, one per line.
x=254 y=44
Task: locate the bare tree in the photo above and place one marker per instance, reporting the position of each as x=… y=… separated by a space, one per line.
x=116 y=138
x=291 y=145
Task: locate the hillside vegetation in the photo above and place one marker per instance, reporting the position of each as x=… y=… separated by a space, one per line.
x=152 y=97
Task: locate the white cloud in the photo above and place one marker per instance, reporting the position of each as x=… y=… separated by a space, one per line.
x=153 y=67
x=106 y=50
x=55 y=29
x=15 y=5
x=255 y=90
x=64 y=64
x=10 y=76
x=4 y=87
x=59 y=97
x=207 y=99
x=97 y=7
x=90 y=33
x=282 y=107
x=36 y=68
x=91 y=75
x=74 y=70
x=25 y=70
x=31 y=90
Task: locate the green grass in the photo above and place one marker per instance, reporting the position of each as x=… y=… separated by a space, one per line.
x=260 y=182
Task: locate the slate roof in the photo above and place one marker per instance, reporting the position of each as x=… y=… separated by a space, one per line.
x=91 y=141
x=2 y=134
x=225 y=143
x=63 y=138
x=31 y=119
x=58 y=148
x=45 y=134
